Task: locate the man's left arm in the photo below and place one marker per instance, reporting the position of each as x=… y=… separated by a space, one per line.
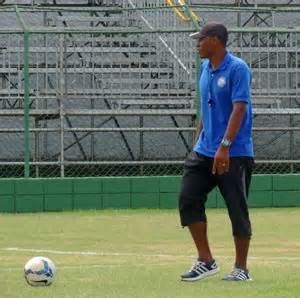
x=221 y=160
x=240 y=96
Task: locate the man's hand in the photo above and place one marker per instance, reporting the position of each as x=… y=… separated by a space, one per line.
x=221 y=161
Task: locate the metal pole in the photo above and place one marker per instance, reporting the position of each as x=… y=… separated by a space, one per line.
x=36 y=147
x=61 y=104
x=141 y=145
x=26 y=94
x=239 y=23
x=26 y=107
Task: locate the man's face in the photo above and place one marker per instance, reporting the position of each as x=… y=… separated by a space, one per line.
x=206 y=46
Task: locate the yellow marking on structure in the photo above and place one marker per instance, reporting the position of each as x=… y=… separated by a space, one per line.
x=181 y=14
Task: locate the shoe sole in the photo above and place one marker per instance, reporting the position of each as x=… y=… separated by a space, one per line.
x=201 y=276
x=238 y=280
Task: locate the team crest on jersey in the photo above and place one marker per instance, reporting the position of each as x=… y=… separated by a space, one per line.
x=221 y=82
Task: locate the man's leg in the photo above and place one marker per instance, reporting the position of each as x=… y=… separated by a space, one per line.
x=234 y=187
x=242 y=244
x=205 y=265
x=241 y=252
x=199 y=233
x=197 y=182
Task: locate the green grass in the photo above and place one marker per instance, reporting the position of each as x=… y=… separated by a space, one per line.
x=141 y=254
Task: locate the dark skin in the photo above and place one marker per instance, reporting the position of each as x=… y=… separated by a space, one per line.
x=221 y=160
x=213 y=49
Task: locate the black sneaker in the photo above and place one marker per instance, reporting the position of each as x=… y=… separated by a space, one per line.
x=238 y=274
x=200 y=270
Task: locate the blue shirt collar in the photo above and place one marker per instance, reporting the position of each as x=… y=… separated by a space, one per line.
x=222 y=65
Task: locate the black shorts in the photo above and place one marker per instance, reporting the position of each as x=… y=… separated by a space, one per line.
x=198 y=181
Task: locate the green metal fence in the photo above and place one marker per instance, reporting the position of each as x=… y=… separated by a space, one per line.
x=112 y=92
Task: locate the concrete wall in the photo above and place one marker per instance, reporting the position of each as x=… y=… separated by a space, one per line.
x=59 y=194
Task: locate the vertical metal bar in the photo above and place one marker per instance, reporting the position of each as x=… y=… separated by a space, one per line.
x=26 y=107
x=297 y=69
x=239 y=22
x=20 y=79
x=61 y=104
x=26 y=94
x=45 y=85
x=260 y=57
x=93 y=56
x=36 y=147
x=297 y=55
x=269 y=73
x=141 y=145
x=9 y=65
x=36 y=122
x=287 y=85
x=45 y=105
x=290 y=87
x=292 y=143
x=3 y=80
x=277 y=67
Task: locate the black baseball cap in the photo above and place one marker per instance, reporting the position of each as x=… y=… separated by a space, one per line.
x=212 y=29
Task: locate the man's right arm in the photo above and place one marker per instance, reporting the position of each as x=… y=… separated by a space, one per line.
x=198 y=131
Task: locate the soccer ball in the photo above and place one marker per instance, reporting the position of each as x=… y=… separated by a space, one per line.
x=39 y=271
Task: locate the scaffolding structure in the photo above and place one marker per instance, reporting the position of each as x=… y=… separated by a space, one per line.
x=109 y=89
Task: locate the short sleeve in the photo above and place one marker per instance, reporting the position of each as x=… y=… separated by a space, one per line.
x=241 y=84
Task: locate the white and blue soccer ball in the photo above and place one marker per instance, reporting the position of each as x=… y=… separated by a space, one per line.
x=39 y=271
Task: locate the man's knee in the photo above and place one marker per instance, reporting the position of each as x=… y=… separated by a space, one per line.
x=191 y=210
x=242 y=229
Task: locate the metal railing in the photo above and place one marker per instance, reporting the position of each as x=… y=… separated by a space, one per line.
x=113 y=99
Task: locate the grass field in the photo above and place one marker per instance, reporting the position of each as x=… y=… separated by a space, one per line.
x=141 y=253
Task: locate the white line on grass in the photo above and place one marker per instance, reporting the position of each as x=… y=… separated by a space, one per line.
x=91 y=253
x=89 y=266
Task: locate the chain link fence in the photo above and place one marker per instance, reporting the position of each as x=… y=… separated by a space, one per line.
x=112 y=92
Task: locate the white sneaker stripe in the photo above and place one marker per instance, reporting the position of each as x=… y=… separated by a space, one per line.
x=200 y=269
x=242 y=276
x=238 y=274
x=204 y=268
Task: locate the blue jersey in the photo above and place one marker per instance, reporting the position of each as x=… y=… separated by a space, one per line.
x=220 y=89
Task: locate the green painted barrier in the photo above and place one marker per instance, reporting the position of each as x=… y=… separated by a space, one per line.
x=161 y=192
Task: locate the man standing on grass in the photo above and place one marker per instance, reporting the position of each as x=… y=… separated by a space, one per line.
x=222 y=155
